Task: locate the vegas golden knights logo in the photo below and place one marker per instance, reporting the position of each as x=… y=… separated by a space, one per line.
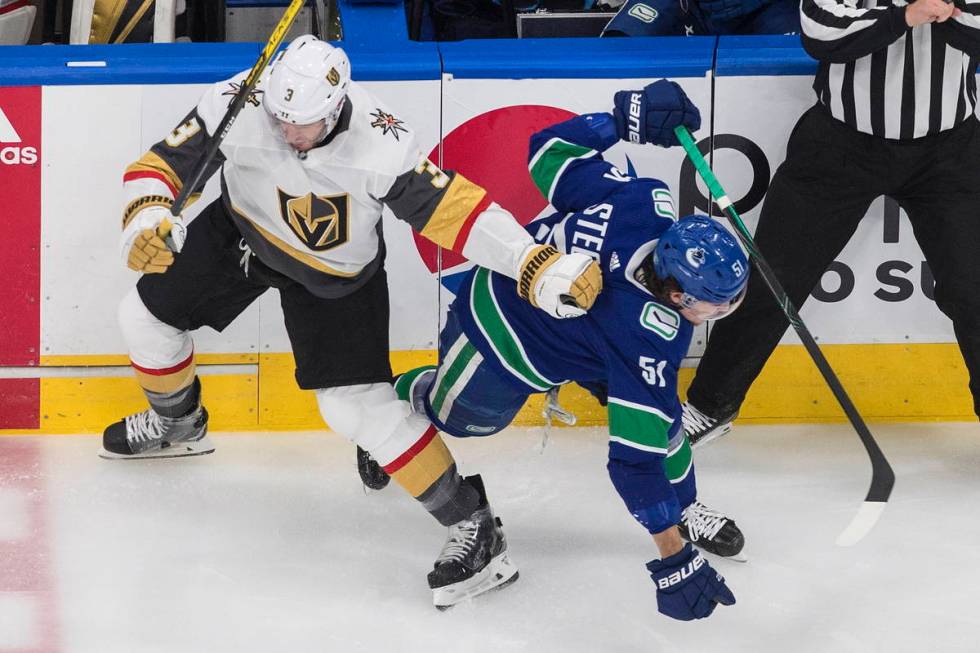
x=333 y=77
x=321 y=222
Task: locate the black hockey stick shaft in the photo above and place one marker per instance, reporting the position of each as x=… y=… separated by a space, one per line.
x=882 y=475
x=248 y=86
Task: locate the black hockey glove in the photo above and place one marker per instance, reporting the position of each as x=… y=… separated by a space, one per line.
x=650 y=115
x=687 y=587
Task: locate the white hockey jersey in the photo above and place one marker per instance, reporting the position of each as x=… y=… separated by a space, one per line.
x=316 y=216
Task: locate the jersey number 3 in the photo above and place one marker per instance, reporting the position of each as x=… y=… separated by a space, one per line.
x=183 y=133
x=437 y=177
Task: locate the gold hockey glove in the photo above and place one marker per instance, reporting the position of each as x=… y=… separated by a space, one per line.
x=151 y=235
x=149 y=254
x=562 y=285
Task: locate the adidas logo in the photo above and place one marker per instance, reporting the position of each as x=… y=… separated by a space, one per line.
x=614 y=262
x=7 y=132
x=13 y=155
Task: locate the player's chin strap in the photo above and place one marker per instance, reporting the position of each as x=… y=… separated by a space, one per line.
x=554 y=410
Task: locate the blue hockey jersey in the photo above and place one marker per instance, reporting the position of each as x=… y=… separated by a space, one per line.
x=628 y=341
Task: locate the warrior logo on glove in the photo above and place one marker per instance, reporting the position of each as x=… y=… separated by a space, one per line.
x=574 y=279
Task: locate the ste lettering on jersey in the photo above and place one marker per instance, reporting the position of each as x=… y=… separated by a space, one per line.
x=20 y=269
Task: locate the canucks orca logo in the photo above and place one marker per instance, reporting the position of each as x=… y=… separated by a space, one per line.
x=642 y=12
x=695 y=256
x=321 y=222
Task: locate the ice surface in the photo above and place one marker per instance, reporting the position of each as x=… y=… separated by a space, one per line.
x=271 y=544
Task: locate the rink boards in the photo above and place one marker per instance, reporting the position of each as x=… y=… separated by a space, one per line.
x=69 y=126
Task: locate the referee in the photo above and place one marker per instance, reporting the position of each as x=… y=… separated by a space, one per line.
x=896 y=94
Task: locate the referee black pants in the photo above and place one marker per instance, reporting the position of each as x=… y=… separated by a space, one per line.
x=816 y=199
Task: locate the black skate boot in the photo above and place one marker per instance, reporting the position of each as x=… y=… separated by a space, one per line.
x=370 y=471
x=474 y=559
x=701 y=429
x=150 y=435
x=712 y=531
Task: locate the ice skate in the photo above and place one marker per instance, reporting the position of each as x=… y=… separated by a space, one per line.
x=150 y=435
x=712 y=531
x=701 y=428
x=371 y=473
x=474 y=559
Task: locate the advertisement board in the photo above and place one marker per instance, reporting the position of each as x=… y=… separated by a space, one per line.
x=64 y=146
x=21 y=160
x=879 y=289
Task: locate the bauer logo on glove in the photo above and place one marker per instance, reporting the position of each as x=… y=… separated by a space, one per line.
x=681 y=574
x=650 y=115
x=687 y=587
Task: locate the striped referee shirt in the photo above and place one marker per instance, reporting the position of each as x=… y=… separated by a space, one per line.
x=882 y=77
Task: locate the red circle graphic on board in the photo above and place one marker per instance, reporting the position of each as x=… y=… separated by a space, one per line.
x=491 y=150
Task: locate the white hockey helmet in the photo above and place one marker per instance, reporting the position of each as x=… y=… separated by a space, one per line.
x=308 y=82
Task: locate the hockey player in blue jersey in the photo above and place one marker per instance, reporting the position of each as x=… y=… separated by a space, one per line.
x=660 y=278
x=704 y=18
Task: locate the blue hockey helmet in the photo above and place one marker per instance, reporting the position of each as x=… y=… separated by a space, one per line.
x=704 y=258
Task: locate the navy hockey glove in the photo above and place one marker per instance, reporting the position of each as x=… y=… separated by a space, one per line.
x=730 y=9
x=687 y=587
x=650 y=115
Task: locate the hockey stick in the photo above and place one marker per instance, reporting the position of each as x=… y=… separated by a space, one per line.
x=882 y=476
x=175 y=241
x=321 y=19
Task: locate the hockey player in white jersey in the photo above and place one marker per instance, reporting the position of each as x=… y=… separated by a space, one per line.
x=306 y=170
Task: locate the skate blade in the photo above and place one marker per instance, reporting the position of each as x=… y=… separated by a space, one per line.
x=714 y=435
x=180 y=450
x=500 y=573
x=372 y=489
x=376 y=485
x=738 y=557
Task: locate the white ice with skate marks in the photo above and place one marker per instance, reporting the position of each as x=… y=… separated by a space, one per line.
x=271 y=544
